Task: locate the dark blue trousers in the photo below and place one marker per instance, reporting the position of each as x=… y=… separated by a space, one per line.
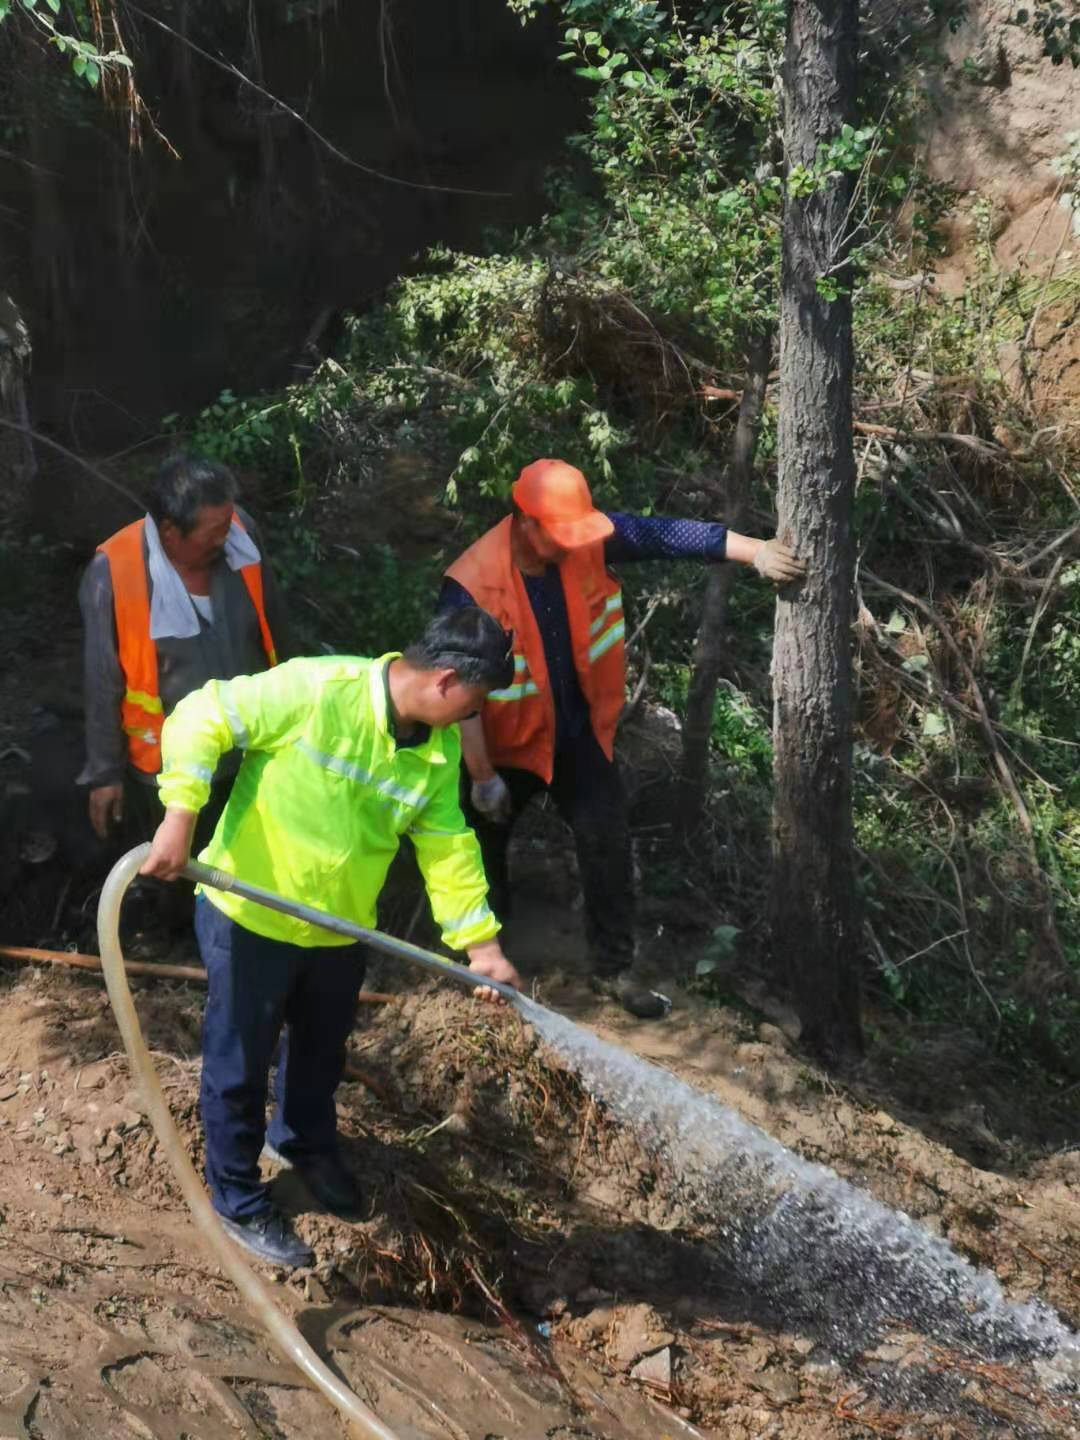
x=257 y=987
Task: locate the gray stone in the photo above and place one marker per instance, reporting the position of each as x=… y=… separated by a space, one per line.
x=654 y=1369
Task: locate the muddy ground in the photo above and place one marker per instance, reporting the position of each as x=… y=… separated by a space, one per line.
x=524 y=1269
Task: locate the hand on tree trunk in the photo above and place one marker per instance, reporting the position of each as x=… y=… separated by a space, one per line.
x=778 y=562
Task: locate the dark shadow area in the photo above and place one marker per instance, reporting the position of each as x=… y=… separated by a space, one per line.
x=152 y=280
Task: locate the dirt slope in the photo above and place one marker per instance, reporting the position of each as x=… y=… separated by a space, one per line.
x=524 y=1271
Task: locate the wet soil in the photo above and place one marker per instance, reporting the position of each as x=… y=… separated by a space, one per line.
x=523 y=1270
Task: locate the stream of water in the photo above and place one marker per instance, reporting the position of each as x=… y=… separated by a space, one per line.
x=828 y=1259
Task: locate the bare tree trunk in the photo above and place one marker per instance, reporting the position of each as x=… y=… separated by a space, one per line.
x=710 y=647
x=814 y=924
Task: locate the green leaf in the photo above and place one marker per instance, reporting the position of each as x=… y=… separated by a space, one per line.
x=93 y=72
x=54 y=6
x=704 y=967
x=933 y=723
x=78 y=64
x=916 y=664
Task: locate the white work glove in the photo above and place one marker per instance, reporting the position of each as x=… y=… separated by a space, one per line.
x=492 y=799
x=778 y=562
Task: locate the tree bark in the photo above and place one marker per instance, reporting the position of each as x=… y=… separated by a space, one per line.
x=815 y=930
x=710 y=648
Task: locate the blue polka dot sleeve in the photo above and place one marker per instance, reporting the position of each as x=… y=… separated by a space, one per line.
x=658 y=537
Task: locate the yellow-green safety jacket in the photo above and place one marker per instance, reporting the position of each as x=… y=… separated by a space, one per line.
x=323 y=798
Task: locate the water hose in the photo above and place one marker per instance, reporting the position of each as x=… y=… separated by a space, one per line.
x=401 y=949
x=255 y=1294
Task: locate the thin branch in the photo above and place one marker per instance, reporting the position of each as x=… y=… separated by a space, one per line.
x=70 y=454
x=1005 y=774
x=238 y=74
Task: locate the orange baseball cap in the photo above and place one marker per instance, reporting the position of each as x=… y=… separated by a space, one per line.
x=558 y=496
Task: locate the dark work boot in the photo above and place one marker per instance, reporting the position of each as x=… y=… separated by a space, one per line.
x=328 y=1178
x=635 y=999
x=270 y=1237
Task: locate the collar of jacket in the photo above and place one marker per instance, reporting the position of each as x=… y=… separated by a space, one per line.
x=431 y=748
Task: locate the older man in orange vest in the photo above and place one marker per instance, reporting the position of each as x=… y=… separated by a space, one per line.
x=173 y=600
x=543 y=573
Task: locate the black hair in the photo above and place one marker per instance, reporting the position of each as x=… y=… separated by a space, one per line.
x=184 y=484
x=469 y=641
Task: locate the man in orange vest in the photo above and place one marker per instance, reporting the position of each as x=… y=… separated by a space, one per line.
x=543 y=573
x=173 y=600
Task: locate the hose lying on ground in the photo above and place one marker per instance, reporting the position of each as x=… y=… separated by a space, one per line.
x=256 y=1296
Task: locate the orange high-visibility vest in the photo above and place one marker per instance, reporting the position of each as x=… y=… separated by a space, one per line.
x=519 y=722
x=141 y=710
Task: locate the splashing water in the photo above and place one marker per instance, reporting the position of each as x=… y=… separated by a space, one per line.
x=826 y=1257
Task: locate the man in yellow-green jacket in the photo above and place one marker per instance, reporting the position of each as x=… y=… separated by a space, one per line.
x=342 y=758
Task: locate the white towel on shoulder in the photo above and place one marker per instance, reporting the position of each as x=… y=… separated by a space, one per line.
x=172 y=614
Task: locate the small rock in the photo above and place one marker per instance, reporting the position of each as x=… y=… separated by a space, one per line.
x=888 y=1353
x=770 y=1034
x=588 y=1329
x=822 y=1369
x=654 y=1369
x=778 y=1385
x=39 y=1186
x=637 y=1331
x=315 y=1291
x=803 y=1346
x=51 y=1127
x=67 y=1198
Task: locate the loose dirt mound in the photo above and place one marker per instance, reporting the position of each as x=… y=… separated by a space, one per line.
x=524 y=1270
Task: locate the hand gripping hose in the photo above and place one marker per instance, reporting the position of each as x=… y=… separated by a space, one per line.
x=256 y=1296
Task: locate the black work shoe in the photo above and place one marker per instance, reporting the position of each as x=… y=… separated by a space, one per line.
x=270 y=1237
x=327 y=1177
x=635 y=999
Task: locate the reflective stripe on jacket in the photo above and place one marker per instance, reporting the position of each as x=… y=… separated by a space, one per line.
x=519 y=722
x=141 y=709
x=323 y=797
